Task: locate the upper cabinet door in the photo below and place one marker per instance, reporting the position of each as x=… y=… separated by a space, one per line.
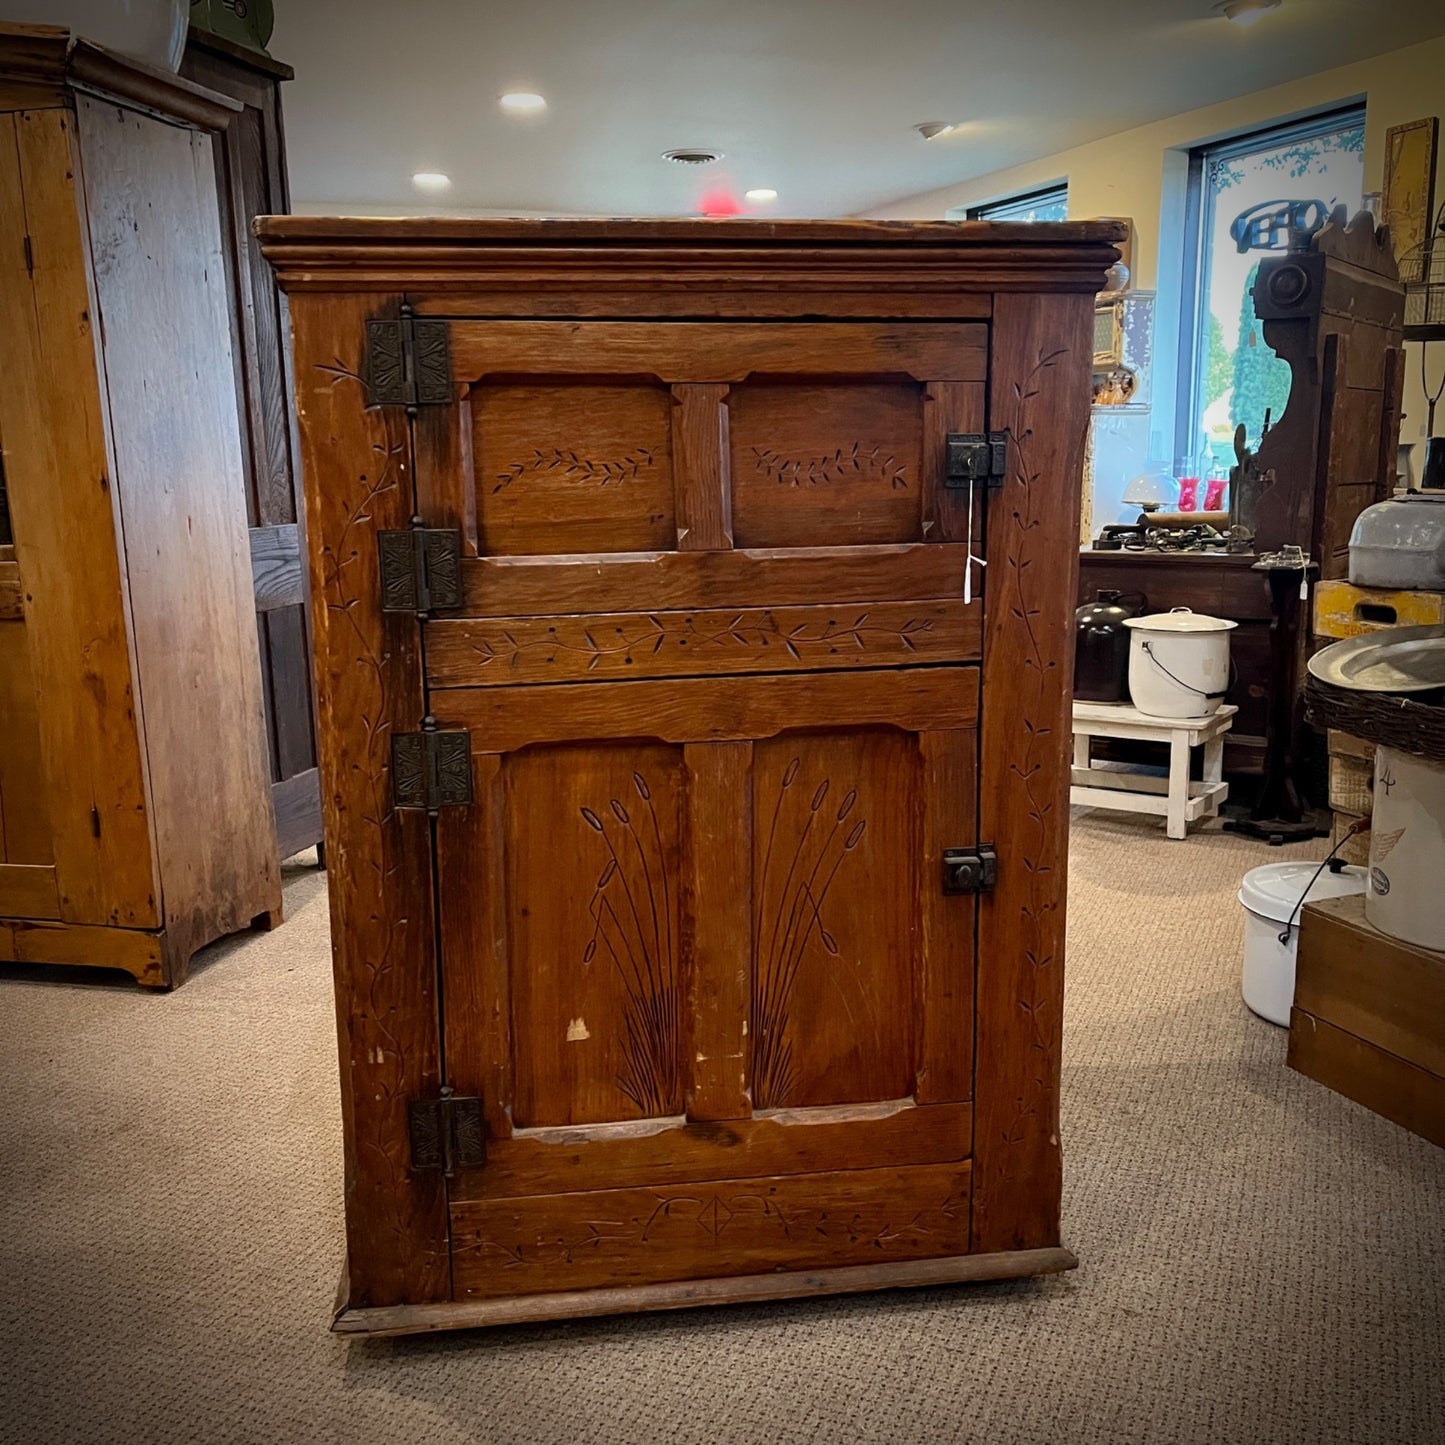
x=720 y=682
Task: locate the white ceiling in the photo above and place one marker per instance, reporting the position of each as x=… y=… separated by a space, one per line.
x=815 y=98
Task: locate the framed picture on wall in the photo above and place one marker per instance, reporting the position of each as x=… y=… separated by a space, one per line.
x=1409 y=197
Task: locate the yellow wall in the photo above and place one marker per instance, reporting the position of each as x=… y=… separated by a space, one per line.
x=1141 y=174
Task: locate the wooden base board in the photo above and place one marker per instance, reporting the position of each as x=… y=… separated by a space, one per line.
x=140 y=953
x=692 y=1294
x=159 y=958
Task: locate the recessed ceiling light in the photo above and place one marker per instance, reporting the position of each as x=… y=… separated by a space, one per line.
x=1245 y=12
x=431 y=181
x=932 y=129
x=523 y=102
x=692 y=156
x=762 y=193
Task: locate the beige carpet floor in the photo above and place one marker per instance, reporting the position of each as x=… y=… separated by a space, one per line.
x=1261 y=1259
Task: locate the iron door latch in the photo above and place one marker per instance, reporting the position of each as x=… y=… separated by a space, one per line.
x=970 y=870
x=447 y=1133
x=976 y=457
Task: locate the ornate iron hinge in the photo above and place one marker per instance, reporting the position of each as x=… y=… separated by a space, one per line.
x=408 y=362
x=431 y=769
x=421 y=568
x=970 y=870
x=447 y=1133
x=976 y=457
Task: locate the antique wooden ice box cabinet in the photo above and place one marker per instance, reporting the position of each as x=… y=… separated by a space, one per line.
x=693 y=611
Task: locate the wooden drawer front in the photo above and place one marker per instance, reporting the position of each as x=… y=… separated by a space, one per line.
x=676 y=1232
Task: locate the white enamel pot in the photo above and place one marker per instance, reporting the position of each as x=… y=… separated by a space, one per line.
x=1178 y=662
x=1273 y=896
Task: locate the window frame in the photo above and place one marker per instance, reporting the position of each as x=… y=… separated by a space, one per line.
x=1194 y=340
x=1018 y=200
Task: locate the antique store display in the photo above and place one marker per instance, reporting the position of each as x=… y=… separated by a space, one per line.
x=133 y=786
x=654 y=648
x=1334 y=312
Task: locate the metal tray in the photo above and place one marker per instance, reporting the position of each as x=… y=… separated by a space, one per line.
x=1395 y=659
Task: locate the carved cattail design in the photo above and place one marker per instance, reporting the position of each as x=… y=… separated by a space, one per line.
x=788 y=915
x=631 y=911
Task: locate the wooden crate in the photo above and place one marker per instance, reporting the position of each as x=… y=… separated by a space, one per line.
x=1369 y=1016
x=1344 y=610
x=1352 y=776
x=1351 y=784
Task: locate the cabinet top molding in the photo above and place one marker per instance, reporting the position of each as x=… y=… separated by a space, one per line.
x=426 y=253
x=42 y=66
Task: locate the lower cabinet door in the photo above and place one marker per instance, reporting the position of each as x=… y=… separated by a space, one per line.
x=700 y=966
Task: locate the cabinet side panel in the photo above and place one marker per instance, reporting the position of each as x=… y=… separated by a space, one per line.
x=63 y=509
x=160 y=283
x=1039 y=391
x=357 y=473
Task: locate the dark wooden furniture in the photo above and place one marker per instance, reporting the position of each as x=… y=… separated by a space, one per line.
x=641 y=840
x=1369 y=1016
x=1335 y=314
x=251 y=181
x=1222 y=586
x=133 y=785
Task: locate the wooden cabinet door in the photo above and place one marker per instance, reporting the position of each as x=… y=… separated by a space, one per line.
x=721 y=688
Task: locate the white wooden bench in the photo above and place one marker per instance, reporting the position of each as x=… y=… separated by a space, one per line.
x=1177 y=798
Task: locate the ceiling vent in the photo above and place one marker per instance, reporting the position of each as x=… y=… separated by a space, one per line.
x=691 y=156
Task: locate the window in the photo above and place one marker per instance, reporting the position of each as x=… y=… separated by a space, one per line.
x=1247 y=197
x=1051 y=204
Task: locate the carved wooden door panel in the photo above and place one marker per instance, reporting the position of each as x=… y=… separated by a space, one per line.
x=721 y=688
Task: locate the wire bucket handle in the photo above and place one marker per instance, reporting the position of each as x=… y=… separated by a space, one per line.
x=1189 y=686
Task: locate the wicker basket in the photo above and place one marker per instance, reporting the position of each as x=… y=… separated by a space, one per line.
x=1384 y=718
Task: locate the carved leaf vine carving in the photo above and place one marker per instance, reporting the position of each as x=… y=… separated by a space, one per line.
x=843 y=464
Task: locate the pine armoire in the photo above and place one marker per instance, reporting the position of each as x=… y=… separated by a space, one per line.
x=692 y=610
x=135 y=807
